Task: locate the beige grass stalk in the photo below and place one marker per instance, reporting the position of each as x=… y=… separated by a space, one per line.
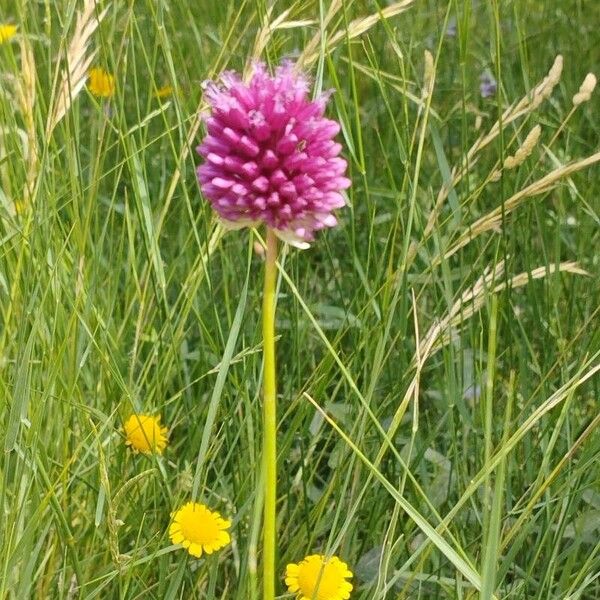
x=266 y=31
x=493 y=220
x=355 y=29
x=474 y=298
x=524 y=106
x=26 y=96
x=311 y=50
x=70 y=80
x=583 y=95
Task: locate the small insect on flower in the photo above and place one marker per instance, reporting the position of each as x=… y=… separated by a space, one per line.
x=101 y=83
x=7 y=32
x=270 y=155
x=145 y=434
x=319 y=578
x=199 y=529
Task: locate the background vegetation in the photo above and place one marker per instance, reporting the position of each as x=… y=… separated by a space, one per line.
x=438 y=383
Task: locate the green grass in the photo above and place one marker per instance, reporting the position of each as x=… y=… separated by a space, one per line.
x=432 y=461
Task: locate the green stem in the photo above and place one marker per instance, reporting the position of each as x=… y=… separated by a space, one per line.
x=269 y=418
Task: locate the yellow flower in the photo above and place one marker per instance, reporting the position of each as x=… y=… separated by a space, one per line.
x=319 y=578
x=198 y=529
x=144 y=434
x=164 y=91
x=7 y=32
x=101 y=84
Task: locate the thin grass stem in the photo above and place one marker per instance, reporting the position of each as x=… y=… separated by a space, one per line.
x=269 y=418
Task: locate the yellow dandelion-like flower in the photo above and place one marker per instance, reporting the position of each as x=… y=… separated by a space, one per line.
x=319 y=578
x=144 y=434
x=101 y=83
x=199 y=529
x=7 y=32
x=164 y=92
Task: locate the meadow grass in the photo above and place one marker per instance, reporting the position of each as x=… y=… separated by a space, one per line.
x=437 y=352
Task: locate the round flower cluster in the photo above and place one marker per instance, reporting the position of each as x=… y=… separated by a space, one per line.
x=270 y=154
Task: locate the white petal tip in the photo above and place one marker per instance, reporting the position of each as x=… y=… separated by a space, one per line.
x=289 y=237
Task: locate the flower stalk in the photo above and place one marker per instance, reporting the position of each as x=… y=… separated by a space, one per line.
x=269 y=417
x=270 y=157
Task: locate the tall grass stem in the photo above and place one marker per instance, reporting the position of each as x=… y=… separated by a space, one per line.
x=269 y=418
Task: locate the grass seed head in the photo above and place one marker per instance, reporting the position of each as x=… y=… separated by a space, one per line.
x=525 y=149
x=586 y=90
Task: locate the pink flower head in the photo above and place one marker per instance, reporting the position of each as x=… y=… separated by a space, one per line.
x=270 y=156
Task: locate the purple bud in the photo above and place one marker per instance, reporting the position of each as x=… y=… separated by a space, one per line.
x=487 y=85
